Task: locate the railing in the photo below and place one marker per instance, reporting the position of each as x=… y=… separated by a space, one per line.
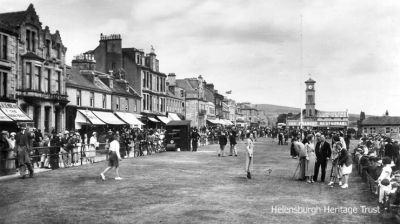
x=56 y=157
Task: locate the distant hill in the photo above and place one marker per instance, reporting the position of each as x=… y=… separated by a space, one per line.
x=272 y=111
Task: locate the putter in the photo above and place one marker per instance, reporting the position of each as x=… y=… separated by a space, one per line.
x=297 y=168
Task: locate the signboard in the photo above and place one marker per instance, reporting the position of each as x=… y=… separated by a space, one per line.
x=318 y=123
x=304 y=123
x=333 y=123
x=13 y=112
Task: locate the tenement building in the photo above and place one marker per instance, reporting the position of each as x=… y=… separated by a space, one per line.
x=33 y=68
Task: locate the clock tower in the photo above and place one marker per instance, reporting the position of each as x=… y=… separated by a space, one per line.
x=310 y=98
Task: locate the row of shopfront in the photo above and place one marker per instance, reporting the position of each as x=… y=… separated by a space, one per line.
x=11 y=116
x=85 y=117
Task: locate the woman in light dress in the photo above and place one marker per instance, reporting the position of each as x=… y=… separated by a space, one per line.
x=249 y=154
x=310 y=158
x=93 y=144
x=10 y=163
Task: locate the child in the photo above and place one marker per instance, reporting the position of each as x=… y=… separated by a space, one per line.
x=113 y=159
x=383 y=180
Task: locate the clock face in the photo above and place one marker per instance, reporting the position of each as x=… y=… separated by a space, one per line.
x=310 y=87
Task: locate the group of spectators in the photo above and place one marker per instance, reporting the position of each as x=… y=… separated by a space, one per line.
x=70 y=148
x=378 y=157
x=314 y=152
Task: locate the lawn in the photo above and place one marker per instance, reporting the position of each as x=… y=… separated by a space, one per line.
x=185 y=187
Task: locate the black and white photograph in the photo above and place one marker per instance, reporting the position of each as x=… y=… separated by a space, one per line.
x=199 y=111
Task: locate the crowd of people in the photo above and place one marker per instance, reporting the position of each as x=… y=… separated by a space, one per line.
x=378 y=157
x=29 y=148
x=314 y=152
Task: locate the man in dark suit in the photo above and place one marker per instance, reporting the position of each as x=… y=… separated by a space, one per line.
x=323 y=153
x=23 y=143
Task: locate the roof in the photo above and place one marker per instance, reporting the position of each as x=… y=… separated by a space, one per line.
x=7 y=29
x=310 y=80
x=381 y=120
x=17 y=18
x=76 y=79
x=184 y=84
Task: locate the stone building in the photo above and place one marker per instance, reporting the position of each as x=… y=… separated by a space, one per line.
x=195 y=100
x=385 y=125
x=247 y=114
x=36 y=62
x=108 y=93
x=144 y=75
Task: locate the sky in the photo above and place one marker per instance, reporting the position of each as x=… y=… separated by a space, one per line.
x=262 y=50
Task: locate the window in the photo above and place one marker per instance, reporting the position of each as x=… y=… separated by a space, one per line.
x=92 y=99
x=387 y=130
x=104 y=100
x=150 y=100
x=3 y=44
x=126 y=104
x=58 y=50
x=37 y=78
x=3 y=84
x=117 y=103
x=144 y=101
x=158 y=84
x=78 y=97
x=47 y=48
x=151 y=81
x=135 y=105
x=33 y=41
x=28 y=40
x=57 y=87
x=113 y=66
x=46 y=79
x=28 y=76
x=144 y=79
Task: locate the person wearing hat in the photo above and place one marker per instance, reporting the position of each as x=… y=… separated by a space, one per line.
x=223 y=140
x=10 y=163
x=195 y=139
x=23 y=142
x=93 y=144
x=113 y=159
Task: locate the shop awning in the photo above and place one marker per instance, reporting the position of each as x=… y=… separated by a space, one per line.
x=89 y=117
x=129 y=118
x=228 y=122
x=213 y=121
x=4 y=117
x=152 y=119
x=12 y=111
x=165 y=120
x=108 y=118
x=173 y=117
